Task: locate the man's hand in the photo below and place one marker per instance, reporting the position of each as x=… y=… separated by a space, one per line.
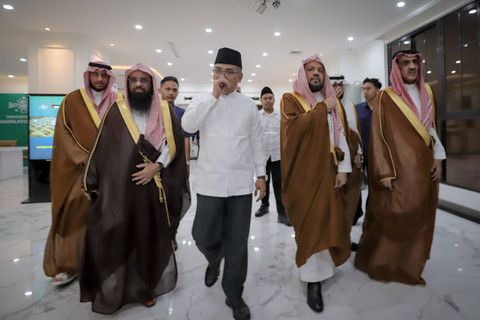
x=340 y=179
x=338 y=91
x=260 y=188
x=358 y=161
x=387 y=183
x=330 y=102
x=219 y=86
x=436 y=170
x=145 y=175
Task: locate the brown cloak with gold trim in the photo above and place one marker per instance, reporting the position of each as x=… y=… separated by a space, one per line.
x=353 y=187
x=313 y=205
x=399 y=224
x=128 y=253
x=75 y=131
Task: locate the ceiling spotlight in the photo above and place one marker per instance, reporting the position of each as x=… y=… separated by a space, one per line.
x=159 y=50
x=208 y=30
x=258 y=66
x=7 y=7
x=47 y=29
x=276 y=4
x=138 y=27
x=112 y=45
x=253 y=74
x=458 y=61
x=264 y=54
x=400 y=4
x=277 y=34
x=470 y=12
x=11 y=76
x=249 y=80
x=182 y=79
x=169 y=63
x=211 y=64
x=210 y=51
x=23 y=59
x=429 y=72
x=262 y=7
x=350 y=38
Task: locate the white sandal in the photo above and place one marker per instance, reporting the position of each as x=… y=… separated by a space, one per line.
x=63 y=278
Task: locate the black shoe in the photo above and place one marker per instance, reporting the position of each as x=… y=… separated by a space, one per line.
x=239 y=308
x=262 y=211
x=314 y=296
x=282 y=218
x=211 y=275
x=354 y=246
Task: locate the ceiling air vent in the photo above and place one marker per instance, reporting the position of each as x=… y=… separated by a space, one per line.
x=296 y=53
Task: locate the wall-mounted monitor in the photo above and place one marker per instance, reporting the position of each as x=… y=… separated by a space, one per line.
x=42 y=115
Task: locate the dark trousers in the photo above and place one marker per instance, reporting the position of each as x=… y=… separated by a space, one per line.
x=274 y=173
x=220 y=230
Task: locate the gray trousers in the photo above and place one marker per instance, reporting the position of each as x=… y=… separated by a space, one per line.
x=220 y=230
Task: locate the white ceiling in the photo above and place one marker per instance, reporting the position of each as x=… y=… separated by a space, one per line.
x=308 y=26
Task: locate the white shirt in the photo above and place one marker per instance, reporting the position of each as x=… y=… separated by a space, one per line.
x=343 y=166
x=141 y=119
x=271 y=134
x=352 y=120
x=438 y=149
x=97 y=96
x=231 y=143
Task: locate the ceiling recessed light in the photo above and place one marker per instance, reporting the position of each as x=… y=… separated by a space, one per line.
x=321 y=54
x=208 y=30
x=429 y=72
x=254 y=74
x=16 y=260
x=210 y=51
x=11 y=76
x=258 y=66
x=47 y=29
x=23 y=59
x=293 y=74
x=28 y=293
x=158 y=50
x=406 y=42
x=7 y=7
x=277 y=34
x=211 y=65
x=182 y=79
x=138 y=27
x=465 y=45
x=400 y=4
x=112 y=45
x=249 y=80
x=471 y=11
x=290 y=80
x=350 y=38
x=458 y=61
x=453 y=71
x=169 y=63
x=264 y=54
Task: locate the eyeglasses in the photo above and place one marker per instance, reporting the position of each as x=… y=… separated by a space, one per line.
x=143 y=80
x=228 y=72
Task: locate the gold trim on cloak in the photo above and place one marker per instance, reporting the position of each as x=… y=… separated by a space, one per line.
x=307 y=108
x=411 y=117
x=91 y=108
x=383 y=137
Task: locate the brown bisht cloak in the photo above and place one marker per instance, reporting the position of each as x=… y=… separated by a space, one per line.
x=75 y=130
x=353 y=187
x=128 y=254
x=309 y=167
x=399 y=224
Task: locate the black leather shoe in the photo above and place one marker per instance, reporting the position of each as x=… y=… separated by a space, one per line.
x=211 y=275
x=262 y=211
x=314 y=296
x=353 y=246
x=239 y=308
x=282 y=218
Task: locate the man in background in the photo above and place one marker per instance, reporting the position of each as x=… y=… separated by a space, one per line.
x=270 y=119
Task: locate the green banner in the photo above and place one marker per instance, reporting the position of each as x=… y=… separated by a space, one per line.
x=14 y=117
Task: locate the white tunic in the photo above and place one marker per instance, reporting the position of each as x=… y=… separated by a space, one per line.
x=231 y=143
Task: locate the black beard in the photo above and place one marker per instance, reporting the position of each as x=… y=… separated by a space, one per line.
x=140 y=101
x=315 y=88
x=95 y=89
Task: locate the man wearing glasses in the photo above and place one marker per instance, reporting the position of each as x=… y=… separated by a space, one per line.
x=136 y=176
x=232 y=150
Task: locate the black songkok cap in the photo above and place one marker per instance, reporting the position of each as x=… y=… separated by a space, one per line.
x=229 y=56
x=406 y=52
x=265 y=91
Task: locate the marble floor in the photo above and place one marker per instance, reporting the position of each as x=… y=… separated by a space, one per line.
x=272 y=290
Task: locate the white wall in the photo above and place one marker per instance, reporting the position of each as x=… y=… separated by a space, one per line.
x=14 y=85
